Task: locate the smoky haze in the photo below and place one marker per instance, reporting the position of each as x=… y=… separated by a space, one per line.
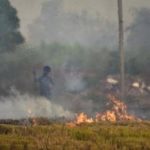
x=138 y=44
x=18 y=106
x=139 y=31
x=79 y=45
x=28 y=16
x=57 y=25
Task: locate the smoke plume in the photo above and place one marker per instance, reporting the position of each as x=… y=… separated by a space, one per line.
x=77 y=68
x=138 y=44
x=57 y=25
x=18 y=106
x=139 y=36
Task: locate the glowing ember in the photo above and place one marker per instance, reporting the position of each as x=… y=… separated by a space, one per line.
x=136 y=84
x=117 y=112
x=112 y=81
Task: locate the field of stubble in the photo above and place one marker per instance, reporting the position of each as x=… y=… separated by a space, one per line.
x=101 y=136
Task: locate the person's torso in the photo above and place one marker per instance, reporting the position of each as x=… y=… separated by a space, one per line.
x=45 y=83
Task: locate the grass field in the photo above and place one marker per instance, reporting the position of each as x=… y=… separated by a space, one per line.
x=101 y=136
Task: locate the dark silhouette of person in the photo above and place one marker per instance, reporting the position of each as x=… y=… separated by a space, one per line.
x=46 y=82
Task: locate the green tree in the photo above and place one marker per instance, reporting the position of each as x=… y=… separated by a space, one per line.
x=10 y=36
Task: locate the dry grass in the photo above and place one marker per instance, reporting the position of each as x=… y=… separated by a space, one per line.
x=105 y=136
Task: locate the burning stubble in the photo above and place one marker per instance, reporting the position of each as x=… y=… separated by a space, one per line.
x=116 y=113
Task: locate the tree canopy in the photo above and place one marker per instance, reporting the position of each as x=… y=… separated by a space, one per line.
x=10 y=35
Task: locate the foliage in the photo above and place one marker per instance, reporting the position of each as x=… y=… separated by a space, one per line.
x=10 y=37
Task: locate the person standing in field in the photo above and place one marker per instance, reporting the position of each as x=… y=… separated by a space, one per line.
x=45 y=83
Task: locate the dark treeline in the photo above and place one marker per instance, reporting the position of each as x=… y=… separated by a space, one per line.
x=10 y=36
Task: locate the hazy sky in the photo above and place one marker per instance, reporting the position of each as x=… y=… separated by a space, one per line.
x=29 y=10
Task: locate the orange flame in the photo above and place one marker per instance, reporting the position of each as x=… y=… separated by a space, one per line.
x=118 y=112
x=83 y=118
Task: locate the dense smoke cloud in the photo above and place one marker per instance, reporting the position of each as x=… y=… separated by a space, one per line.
x=138 y=44
x=18 y=106
x=139 y=31
x=56 y=25
x=76 y=69
x=27 y=16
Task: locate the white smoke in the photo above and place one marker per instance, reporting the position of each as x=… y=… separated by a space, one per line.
x=74 y=82
x=18 y=106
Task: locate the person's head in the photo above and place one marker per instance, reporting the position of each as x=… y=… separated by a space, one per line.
x=46 y=69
